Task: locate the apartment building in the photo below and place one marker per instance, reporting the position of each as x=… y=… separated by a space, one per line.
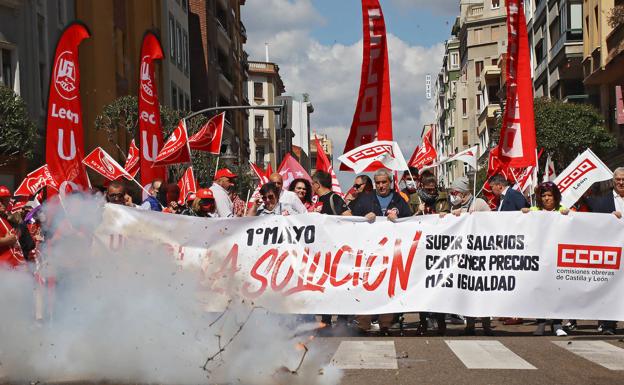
x=327 y=146
x=295 y=128
x=219 y=67
x=266 y=141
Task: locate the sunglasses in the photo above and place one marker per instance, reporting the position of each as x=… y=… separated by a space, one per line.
x=357 y=186
x=116 y=196
x=206 y=202
x=268 y=197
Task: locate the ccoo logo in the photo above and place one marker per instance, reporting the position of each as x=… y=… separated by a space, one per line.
x=65 y=76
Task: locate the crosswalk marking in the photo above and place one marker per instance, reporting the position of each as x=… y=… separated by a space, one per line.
x=365 y=355
x=487 y=354
x=598 y=352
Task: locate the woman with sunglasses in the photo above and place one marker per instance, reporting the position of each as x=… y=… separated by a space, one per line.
x=361 y=185
x=548 y=198
x=303 y=189
x=271 y=205
x=203 y=205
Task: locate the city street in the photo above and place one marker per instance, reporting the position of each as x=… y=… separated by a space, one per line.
x=512 y=356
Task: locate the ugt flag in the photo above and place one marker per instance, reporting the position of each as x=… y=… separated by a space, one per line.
x=208 y=138
x=187 y=185
x=35 y=181
x=132 y=161
x=64 y=135
x=102 y=163
x=176 y=149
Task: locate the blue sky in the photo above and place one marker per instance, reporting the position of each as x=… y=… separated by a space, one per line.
x=318 y=47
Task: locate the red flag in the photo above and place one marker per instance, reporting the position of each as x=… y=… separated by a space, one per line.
x=150 y=131
x=102 y=163
x=517 y=139
x=323 y=164
x=64 y=134
x=35 y=181
x=208 y=138
x=269 y=170
x=187 y=184
x=372 y=119
x=132 y=161
x=424 y=155
x=290 y=170
x=176 y=149
x=260 y=173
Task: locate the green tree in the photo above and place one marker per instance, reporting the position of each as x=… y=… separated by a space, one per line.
x=564 y=130
x=17 y=131
x=122 y=115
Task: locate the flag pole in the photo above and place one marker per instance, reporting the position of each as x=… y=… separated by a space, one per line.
x=474 y=187
x=217 y=165
x=247 y=203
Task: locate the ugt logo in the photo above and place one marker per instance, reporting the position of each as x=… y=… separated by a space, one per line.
x=147 y=85
x=65 y=76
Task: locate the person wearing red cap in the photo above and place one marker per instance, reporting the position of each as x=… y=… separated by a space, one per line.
x=10 y=250
x=223 y=183
x=203 y=204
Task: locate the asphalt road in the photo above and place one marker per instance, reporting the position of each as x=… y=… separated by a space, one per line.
x=455 y=359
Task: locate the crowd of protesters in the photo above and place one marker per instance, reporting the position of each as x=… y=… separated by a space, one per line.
x=21 y=230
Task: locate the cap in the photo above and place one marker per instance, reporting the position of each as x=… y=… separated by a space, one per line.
x=204 y=193
x=190 y=197
x=224 y=172
x=461 y=184
x=4 y=192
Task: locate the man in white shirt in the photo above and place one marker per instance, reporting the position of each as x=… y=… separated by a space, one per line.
x=618 y=191
x=287 y=198
x=221 y=185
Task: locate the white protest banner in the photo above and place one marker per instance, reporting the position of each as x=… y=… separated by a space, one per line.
x=578 y=177
x=375 y=155
x=545 y=265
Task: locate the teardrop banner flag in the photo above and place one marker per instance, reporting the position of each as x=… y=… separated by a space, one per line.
x=150 y=131
x=372 y=119
x=64 y=133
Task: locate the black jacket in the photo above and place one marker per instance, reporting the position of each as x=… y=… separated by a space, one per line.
x=368 y=203
x=513 y=201
x=604 y=204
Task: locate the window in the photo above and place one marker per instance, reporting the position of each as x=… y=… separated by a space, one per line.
x=178 y=44
x=479 y=96
x=495 y=32
x=258 y=122
x=464 y=107
x=258 y=90
x=174 y=97
x=187 y=103
x=465 y=137
x=478 y=68
x=61 y=12
x=184 y=5
x=454 y=60
x=495 y=4
x=6 y=76
x=185 y=52
x=180 y=100
x=172 y=38
x=478 y=32
x=576 y=16
x=453 y=87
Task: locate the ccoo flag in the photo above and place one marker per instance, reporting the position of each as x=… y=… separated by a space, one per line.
x=64 y=133
x=372 y=119
x=150 y=131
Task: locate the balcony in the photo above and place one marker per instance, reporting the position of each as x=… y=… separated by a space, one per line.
x=476 y=10
x=490 y=75
x=225 y=85
x=243 y=32
x=261 y=134
x=223 y=39
x=488 y=117
x=615 y=42
x=539 y=70
x=570 y=38
x=539 y=11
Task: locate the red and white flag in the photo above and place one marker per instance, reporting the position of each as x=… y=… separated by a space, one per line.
x=323 y=164
x=424 y=155
x=187 y=185
x=260 y=173
x=176 y=149
x=290 y=170
x=102 y=163
x=375 y=155
x=549 y=170
x=517 y=138
x=150 y=131
x=468 y=156
x=35 y=181
x=132 y=161
x=372 y=119
x=578 y=177
x=64 y=131
x=209 y=137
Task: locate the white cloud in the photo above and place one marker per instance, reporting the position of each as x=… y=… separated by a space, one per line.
x=331 y=74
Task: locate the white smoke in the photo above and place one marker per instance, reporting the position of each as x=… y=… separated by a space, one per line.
x=134 y=315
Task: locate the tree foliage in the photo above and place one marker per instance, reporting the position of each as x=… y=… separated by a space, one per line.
x=17 y=131
x=564 y=130
x=122 y=115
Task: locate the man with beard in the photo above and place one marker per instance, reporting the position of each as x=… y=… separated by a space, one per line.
x=287 y=198
x=222 y=185
x=430 y=199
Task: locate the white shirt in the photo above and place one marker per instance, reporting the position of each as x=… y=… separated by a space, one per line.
x=291 y=200
x=222 y=201
x=500 y=204
x=619 y=202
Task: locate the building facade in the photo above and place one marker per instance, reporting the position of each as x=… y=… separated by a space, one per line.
x=29 y=31
x=219 y=67
x=327 y=146
x=296 y=127
x=264 y=86
x=603 y=66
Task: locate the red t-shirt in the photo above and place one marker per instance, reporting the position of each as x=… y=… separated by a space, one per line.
x=9 y=255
